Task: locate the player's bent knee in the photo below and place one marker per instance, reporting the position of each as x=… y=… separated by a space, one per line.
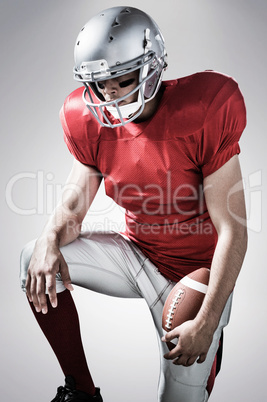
x=25 y=259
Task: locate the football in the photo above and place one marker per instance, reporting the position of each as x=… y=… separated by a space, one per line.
x=184 y=301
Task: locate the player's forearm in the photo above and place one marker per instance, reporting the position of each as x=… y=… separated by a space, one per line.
x=227 y=262
x=62 y=228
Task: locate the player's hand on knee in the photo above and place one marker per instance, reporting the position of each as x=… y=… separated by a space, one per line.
x=46 y=262
x=193 y=343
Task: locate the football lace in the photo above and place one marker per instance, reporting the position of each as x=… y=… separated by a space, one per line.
x=175 y=301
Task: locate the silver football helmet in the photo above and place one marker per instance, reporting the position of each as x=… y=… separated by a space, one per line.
x=115 y=42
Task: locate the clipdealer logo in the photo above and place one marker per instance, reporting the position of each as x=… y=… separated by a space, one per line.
x=45 y=194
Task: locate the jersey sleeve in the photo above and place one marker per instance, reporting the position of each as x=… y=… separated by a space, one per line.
x=78 y=132
x=222 y=129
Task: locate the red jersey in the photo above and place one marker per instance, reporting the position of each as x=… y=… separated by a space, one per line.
x=155 y=169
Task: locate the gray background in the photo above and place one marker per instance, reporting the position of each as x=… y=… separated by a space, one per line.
x=37 y=39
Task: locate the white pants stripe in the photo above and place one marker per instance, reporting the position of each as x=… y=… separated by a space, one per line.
x=111 y=264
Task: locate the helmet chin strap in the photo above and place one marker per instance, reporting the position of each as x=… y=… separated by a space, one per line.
x=126 y=110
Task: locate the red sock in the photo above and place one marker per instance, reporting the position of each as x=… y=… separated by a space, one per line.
x=62 y=330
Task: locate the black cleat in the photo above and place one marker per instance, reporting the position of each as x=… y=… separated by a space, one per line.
x=69 y=393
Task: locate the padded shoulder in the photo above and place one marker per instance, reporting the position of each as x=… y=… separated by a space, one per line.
x=75 y=117
x=206 y=87
x=81 y=130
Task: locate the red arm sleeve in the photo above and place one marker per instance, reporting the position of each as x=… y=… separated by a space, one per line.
x=223 y=126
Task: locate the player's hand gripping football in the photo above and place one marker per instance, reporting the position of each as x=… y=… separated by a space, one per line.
x=193 y=344
x=46 y=262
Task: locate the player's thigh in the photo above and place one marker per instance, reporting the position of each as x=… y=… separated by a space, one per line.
x=103 y=262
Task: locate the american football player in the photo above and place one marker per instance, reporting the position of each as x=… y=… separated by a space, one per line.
x=167 y=152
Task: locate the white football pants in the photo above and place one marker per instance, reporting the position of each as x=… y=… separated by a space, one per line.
x=111 y=264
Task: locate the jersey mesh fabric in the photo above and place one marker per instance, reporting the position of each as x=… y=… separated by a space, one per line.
x=155 y=169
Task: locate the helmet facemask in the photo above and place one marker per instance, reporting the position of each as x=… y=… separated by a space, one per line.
x=147 y=87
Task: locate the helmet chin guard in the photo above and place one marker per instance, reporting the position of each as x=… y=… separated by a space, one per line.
x=115 y=42
x=125 y=114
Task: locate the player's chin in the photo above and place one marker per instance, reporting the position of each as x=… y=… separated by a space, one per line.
x=122 y=103
x=126 y=102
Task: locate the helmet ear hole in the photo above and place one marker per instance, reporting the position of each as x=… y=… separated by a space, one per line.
x=150 y=86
